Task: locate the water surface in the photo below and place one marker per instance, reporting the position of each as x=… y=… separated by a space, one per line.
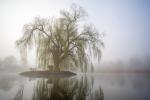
x=105 y=86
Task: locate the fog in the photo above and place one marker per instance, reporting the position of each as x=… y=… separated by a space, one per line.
x=121 y=74
x=133 y=64
x=124 y=23
x=11 y=64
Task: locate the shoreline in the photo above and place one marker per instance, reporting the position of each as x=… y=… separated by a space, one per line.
x=38 y=74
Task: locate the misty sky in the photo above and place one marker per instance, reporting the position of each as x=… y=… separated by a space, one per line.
x=126 y=23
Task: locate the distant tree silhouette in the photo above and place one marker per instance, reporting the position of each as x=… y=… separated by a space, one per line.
x=10 y=64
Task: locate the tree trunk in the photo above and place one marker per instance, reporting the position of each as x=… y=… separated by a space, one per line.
x=56 y=62
x=56 y=69
x=56 y=66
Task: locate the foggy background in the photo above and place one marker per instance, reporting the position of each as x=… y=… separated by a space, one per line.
x=126 y=24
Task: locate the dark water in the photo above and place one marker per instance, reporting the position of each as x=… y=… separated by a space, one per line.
x=80 y=87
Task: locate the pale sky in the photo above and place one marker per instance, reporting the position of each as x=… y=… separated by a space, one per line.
x=126 y=23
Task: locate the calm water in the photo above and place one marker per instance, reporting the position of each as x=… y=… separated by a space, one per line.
x=80 y=87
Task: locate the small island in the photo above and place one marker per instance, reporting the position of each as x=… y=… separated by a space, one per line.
x=47 y=73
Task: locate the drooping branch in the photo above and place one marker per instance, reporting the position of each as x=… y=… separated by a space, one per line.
x=61 y=42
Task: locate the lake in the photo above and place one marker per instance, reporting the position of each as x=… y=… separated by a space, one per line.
x=104 y=86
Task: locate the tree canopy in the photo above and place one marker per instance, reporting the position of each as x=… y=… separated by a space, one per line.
x=67 y=42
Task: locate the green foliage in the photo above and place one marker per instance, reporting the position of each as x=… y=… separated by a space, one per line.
x=65 y=42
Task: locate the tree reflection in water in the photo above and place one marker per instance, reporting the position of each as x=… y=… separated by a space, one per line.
x=19 y=94
x=66 y=89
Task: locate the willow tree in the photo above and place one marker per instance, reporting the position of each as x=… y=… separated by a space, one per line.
x=65 y=42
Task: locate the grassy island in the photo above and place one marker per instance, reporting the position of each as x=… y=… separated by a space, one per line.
x=47 y=73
